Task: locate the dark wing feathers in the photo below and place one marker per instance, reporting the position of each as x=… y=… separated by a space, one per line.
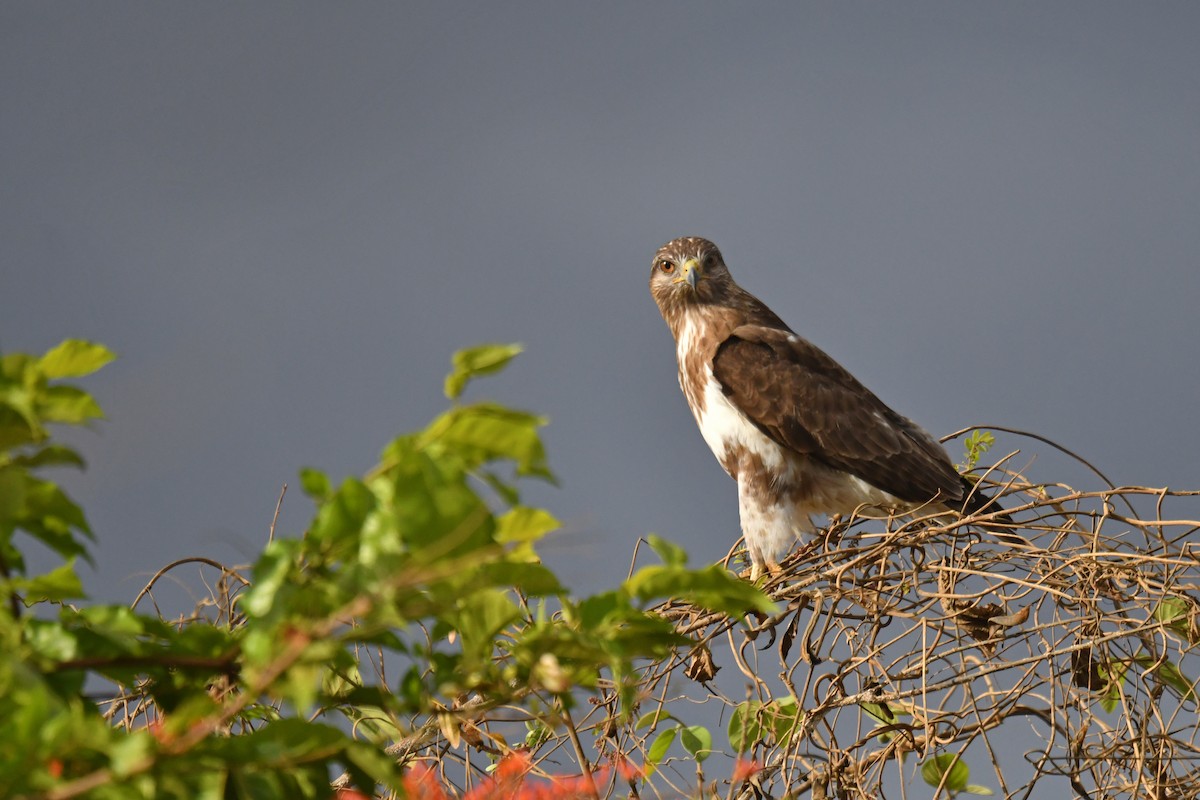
x=806 y=401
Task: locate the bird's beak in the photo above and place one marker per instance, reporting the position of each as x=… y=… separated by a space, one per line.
x=690 y=272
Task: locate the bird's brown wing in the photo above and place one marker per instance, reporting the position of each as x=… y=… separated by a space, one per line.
x=806 y=401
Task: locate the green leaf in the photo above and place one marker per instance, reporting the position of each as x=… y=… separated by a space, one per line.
x=1115 y=673
x=51 y=455
x=712 y=587
x=696 y=740
x=672 y=554
x=484 y=432
x=972 y=788
x=651 y=719
x=783 y=716
x=130 y=752
x=481 y=616
x=1170 y=609
x=342 y=516
x=662 y=743
x=483 y=359
x=934 y=768
x=315 y=484
x=59 y=584
x=51 y=517
x=368 y=765
x=68 y=404
x=18 y=423
x=73 y=358
x=1175 y=612
x=601 y=608
x=532 y=579
x=12 y=494
x=745 y=730
x=522 y=524
x=1168 y=673
x=976 y=444
x=881 y=712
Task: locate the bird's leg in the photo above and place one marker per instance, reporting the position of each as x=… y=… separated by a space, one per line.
x=770 y=565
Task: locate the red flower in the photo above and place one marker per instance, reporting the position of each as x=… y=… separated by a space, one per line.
x=743 y=770
x=628 y=770
x=421 y=783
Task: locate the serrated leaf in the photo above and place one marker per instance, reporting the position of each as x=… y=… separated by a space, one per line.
x=73 y=358
x=522 y=524
x=712 y=587
x=484 y=432
x=472 y=362
x=61 y=583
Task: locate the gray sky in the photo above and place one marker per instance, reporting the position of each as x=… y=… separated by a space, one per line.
x=284 y=218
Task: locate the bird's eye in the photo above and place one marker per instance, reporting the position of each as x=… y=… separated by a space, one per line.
x=710 y=261
x=666 y=266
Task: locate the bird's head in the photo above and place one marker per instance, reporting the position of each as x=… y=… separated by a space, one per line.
x=688 y=271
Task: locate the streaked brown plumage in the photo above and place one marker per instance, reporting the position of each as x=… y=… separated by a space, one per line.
x=799 y=433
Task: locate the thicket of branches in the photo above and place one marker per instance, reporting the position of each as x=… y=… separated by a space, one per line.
x=410 y=643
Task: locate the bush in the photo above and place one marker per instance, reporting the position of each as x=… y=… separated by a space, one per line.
x=411 y=643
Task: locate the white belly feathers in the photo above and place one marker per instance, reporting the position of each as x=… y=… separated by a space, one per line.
x=778 y=490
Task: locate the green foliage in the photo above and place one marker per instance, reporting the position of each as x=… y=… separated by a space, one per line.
x=32 y=397
x=428 y=563
x=773 y=723
x=696 y=740
x=473 y=362
x=951 y=773
x=975 y=446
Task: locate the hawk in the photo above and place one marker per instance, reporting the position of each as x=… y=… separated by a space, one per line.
x=799 y=434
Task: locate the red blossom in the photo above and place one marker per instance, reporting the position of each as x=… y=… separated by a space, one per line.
x=505 y=780
x=628 y=770
x=421 y=783
x=510 y=781
x=743 y=770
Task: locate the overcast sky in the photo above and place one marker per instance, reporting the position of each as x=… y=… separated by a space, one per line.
x=284 y=218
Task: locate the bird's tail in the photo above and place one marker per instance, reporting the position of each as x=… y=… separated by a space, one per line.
x=977 y=501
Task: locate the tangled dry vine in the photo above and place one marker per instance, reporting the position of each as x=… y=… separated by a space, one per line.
x=1062 y=663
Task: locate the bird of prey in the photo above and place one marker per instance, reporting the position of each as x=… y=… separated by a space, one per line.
x=799 y=434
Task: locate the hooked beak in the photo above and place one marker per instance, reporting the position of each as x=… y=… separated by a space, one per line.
x=689 y=272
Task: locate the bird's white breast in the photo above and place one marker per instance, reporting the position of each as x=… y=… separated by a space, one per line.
x=725 y=428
